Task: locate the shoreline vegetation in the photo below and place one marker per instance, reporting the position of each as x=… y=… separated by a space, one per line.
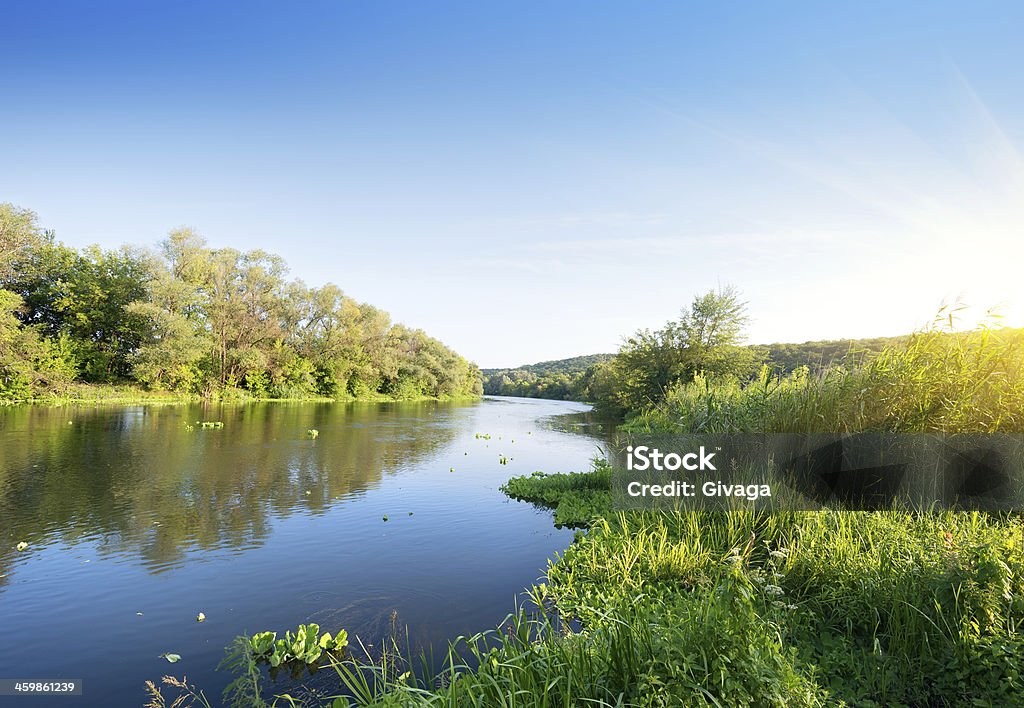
x=128 y=394
x=198 y=322
x=657 y=609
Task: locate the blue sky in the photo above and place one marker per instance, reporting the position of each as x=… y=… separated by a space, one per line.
x=530 y=181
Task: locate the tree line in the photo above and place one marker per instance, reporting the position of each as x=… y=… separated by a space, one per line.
x=562 y=379
x=193 y=319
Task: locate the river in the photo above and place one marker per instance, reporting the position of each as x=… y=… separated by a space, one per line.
x=137 y=519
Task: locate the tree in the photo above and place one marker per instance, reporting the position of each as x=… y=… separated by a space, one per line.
x=19 y=233
x=83 y=295
x=706 y=338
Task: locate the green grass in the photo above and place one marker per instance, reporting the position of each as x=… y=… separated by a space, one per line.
x=127 y=393
x=936 y=382
x=876 y=608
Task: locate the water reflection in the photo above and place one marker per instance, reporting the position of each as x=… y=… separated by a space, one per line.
x=149 y=487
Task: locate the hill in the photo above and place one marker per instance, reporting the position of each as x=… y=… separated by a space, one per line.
x=560 y=379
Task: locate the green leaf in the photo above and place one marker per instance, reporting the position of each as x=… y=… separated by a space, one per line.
x=172 y=658
x=262 y=643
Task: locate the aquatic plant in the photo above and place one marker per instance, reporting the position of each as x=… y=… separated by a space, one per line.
x=313 y=433
x=577 y=498
x=207 y=424
x=306 y=645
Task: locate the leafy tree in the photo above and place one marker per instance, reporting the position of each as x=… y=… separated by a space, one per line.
x=83 y=294
x=19 y=233
x=706 y=338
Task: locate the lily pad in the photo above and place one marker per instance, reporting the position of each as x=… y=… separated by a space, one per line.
x=172 y=658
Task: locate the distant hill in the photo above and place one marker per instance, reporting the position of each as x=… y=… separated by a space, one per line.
x=561 y=379
x=576 y=364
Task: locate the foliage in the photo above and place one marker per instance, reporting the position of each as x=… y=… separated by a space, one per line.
x=935 y=381
x=196 y=320
x=28 y=361
x=577 y=498
x=19 y=232
x=564 y=379
x=307 y=645
x=822 y=355
x=706 y=339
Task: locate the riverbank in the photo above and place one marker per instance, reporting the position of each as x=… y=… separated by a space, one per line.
x=745 y=608
x=130 y=394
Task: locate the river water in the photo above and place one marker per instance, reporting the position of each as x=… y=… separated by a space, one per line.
x=136 y=523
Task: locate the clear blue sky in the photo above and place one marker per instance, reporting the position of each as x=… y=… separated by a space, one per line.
x=530 y=181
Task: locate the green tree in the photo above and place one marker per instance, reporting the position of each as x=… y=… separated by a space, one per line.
x=707 y=338
x=84 y=295
x=19 y=234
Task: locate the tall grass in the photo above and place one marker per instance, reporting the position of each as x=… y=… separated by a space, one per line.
x=939 y=381
x=532 y=660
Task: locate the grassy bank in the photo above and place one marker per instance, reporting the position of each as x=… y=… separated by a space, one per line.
x=128 y=394
x=742 y=608
x=811 y=608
